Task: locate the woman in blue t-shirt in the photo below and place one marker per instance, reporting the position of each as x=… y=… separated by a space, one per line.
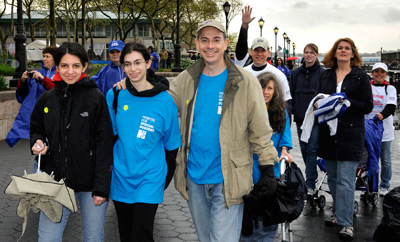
x=145 y=120
x=281 y=66
x=282 y=138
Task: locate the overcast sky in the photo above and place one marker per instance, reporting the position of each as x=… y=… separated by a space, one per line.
x=372 y=24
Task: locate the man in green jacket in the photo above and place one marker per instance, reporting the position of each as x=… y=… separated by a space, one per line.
x=223 y=121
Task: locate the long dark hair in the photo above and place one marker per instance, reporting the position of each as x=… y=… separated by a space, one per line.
x=276 y=109
x=282 y=63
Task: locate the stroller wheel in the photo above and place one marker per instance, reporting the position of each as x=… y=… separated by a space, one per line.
x=365 y=197
x=355 y=208
x=321 y=201
x=313 y=201
x=374 y=199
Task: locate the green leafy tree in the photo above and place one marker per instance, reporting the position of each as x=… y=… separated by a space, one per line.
x=233 y=37
x=236 y=9
x=194 y=12
x=153 y=10
x=28 y=5
x=4 y=36
x=128 y=13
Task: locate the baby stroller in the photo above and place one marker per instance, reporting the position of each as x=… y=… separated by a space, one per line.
x=316 y=199
x=365 y=182
x=367 y=173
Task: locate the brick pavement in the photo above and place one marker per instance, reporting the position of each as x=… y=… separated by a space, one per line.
x=173 y=221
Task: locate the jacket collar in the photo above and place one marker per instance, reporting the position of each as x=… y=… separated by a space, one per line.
x=113 y=65
x=311 y=68
x=354 y=71
x=383 y=83
x=47 y=69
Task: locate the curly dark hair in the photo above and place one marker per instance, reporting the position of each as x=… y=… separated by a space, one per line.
x=51 y=50
x=276 y=107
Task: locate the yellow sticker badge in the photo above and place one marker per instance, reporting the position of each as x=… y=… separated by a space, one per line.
x=46 y=110
x=125 y=107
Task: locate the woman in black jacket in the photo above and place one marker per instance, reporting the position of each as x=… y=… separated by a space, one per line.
x=303 y=87
x=342 y=151
x=71 y=127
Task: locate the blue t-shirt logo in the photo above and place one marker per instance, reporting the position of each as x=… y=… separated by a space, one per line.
x=146 y=123
x=221 y=98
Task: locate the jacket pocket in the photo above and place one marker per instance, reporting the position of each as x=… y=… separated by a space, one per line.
x=241 y=170
x=350 y=137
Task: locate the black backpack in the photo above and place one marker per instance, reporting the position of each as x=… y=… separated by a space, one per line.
x=295 y=178
x=389 y=228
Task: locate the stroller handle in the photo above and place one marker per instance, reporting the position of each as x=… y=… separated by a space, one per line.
x=39 y=159
x=283 y=164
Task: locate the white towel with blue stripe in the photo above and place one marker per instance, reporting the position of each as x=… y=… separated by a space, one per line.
x=330 y=108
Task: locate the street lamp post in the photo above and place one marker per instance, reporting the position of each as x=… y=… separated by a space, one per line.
x=227 y=8
x=261 y=23
x=294 y=48
x=284 y=44
x=294 y=52
x=288 y=46
x=177 y=64
x=20 y=51
x=276 y=49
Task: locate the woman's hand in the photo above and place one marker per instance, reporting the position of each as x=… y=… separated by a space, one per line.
x=39 y=147
x=121 y=85
x=98 y=200
x=379 y=116
x=286 y=153
x=37 y=75
x=24 y=76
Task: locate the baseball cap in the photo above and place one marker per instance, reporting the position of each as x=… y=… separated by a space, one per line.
x=211 y=23
x=260 y=42
x=380 y=65
x=116 y=45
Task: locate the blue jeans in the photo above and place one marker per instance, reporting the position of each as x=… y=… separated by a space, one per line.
x=93 y=218
x=341 y=182
x=212 y=220
x=309 y=152
x=261 y=233
x=386 y=164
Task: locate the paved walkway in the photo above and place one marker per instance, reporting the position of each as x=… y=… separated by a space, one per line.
x=173 y=221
